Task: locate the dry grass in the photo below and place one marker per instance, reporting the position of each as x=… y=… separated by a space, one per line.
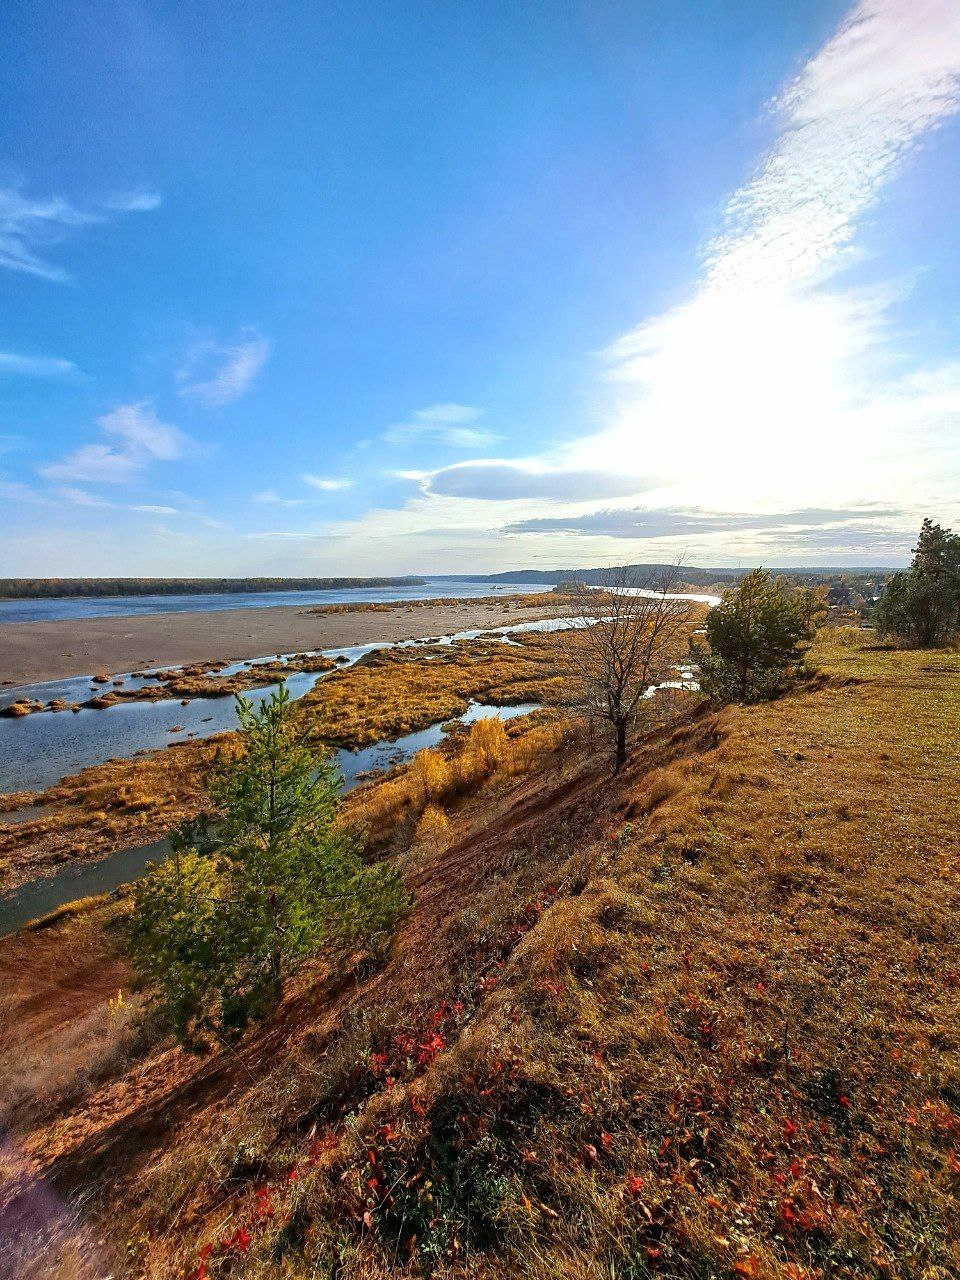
x=730 y=1047
x=116 y=805
x=546 y=600
x=395 y=691
x=702 y=1021
x=52 y=1075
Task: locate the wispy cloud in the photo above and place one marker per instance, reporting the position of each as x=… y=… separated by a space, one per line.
x=672 y=522
x=322 y=484
x=450 y=424
x=772 y=403
x=142 y=439
x=326 y=484
x=84 y=498
x=32 y=225
x=888 y=78
x=217 y=373
x=270 y=497
x=133 y=201
x=495 y=480
x=772 y=350
x=36 y=366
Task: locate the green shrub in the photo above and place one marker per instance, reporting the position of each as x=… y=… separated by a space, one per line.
x=755 y=639
x=218 y=927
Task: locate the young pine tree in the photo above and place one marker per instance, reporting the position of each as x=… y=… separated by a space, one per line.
x=755 y=637
x=219 y=926
x=921 y=607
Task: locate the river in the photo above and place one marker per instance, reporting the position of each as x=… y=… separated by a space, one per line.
x=57 y=609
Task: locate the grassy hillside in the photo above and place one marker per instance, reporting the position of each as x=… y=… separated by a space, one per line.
x=703 y=1021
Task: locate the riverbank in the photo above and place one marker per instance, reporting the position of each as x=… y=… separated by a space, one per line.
x=31 y=652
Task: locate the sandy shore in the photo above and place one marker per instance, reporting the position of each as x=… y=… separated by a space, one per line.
x=34 y=651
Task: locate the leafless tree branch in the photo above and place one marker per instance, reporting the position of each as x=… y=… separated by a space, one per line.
x=629 y=637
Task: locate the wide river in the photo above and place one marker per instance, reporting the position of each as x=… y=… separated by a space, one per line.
x=121 y=606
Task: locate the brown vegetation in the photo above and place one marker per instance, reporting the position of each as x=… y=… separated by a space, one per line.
x=534 y=600
x=699 y=1020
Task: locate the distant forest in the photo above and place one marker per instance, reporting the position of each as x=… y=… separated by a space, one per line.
x=690 y=574
x=43 y=588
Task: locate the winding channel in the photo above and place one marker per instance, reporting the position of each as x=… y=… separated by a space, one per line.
x=40 y=749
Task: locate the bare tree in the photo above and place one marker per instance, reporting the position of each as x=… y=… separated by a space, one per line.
x=629 y=637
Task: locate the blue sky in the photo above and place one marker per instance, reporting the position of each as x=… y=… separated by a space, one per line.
x=368 y=288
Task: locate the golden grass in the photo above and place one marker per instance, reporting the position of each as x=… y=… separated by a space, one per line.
x=437 y=778
x=720 y=1039
x=546 y=600
x=397 y=691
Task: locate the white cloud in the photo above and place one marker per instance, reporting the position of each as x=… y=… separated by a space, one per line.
x=143 y=439
x=83 y=498
x=446 y=423
x=772 y=372
x=98 y=463
x=326 y=484
x=217 y=373
x=888 y=78
x=36 y=366
x=143 y=433
x=271 y=497
x=80 y=497
x=500 y=481
x=671 y=522
x=30 y=226
x=133 y=201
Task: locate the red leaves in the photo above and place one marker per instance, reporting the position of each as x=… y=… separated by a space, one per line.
x=429 y=1048
x=321 y=1145
x=633 y=1184
x=239 y=1242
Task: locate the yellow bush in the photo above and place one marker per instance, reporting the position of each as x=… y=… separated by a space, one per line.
x=434 y=827
x=846 y=637
x=429 y=777
x=488 y=739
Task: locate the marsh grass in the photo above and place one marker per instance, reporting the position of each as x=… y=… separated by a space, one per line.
x=439 y=778
x=123 y=803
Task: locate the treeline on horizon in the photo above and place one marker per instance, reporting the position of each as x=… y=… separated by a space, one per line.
x=689 y=575
x=42 y=588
